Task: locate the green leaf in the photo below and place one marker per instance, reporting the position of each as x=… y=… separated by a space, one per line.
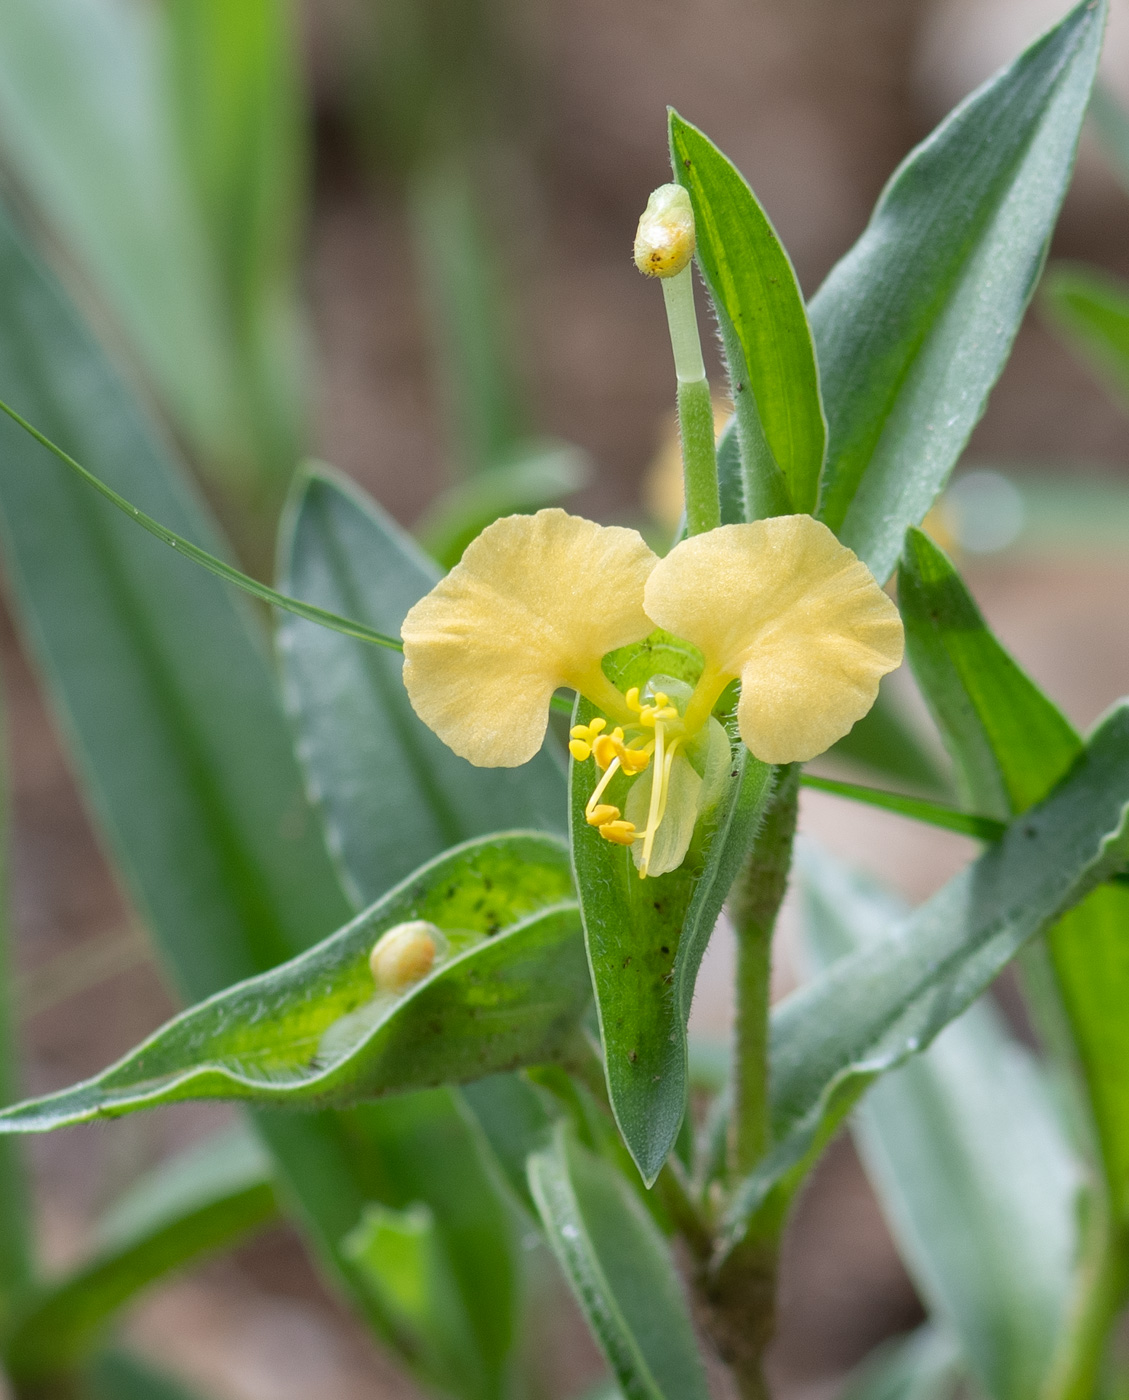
x=207 y=1198
x=761 y=310
x=914 y=325
x=168 y=702
x=422 y=1157
x=917 y=808
x=391 y=794
x=508 y=989
x=926 y=1365
x=512 y=1118
x=886 y=741
x=876 y=1008
x=1009 y=743
x=620 y=1270
x=88 y=134
x=238 y=115
x=969 y=1159
x=1090 y=310
x=646 y=938
x=539 y=474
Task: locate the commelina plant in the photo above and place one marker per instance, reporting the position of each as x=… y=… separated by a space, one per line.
x=498 y=1030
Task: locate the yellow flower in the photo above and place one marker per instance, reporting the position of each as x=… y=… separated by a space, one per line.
x=534 y=604
x=538 y=601
x=781 y=605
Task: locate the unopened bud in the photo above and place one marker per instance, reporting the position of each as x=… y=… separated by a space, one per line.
x=664 y=241
x=405 y=955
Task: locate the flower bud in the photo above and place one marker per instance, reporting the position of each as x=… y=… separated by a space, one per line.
x=664 y=241
x=404 y=955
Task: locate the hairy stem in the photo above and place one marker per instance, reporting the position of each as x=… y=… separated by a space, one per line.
x=754 y=904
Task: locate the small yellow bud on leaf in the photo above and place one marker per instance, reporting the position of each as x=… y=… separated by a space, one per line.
x=664 y=241
x=404 y=955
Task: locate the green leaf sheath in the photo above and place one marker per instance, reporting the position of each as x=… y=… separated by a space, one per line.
x=775 y=381
x=509 y=990
x=15 y=1202
x=913 y=326
x=620 y=1270
x=391 y=794
x=188 y=1208
x=1090 y=310
x=646 y=938
x=970 y=1161
x=874 y=1009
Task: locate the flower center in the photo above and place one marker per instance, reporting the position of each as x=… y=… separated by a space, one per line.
x=657 y=733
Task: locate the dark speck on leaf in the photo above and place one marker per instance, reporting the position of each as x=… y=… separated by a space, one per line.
x=686 y=162
x=487 y=883
x=658 y=905
x=1030 y=831
x=664 y=949
x=627 y=961
x=633 y=1055
x=492 y=929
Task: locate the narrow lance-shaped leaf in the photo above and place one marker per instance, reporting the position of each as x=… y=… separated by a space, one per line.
x=1011 y=743
x=775 y=381
x=914 y=325
x=167 y=701
x=84 y=128
x=233 y=84
x=874 y=1009
x=620 y=1270
x=391 y=794
x=507 y=987
x=969 y=1159
x=646 y=938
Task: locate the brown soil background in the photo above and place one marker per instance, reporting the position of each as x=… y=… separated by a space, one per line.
x=816 y=100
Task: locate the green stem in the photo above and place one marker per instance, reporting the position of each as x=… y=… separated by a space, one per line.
x=754 y=905
x=695 y=406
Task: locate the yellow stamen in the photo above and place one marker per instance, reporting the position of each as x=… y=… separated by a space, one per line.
x=635 y=760
x=598 y=791
x=620 y=833
x=606 y=747
x=579 y=750
x=632 y=698
x=653 y=813
x=602 y=814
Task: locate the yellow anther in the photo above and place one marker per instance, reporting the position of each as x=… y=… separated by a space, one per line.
x=587 y=732
x=632 y=699
x=579 y=750
x=602 y=814
x=667 y=712
x=661 y=699
x=647 y=716
x=606 y=748
x=620 y=833
x=634 y=760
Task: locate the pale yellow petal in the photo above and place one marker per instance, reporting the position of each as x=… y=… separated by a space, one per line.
x=797 y=616
x=534 y=603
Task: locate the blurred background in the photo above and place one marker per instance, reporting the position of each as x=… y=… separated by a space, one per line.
x=395 y=235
